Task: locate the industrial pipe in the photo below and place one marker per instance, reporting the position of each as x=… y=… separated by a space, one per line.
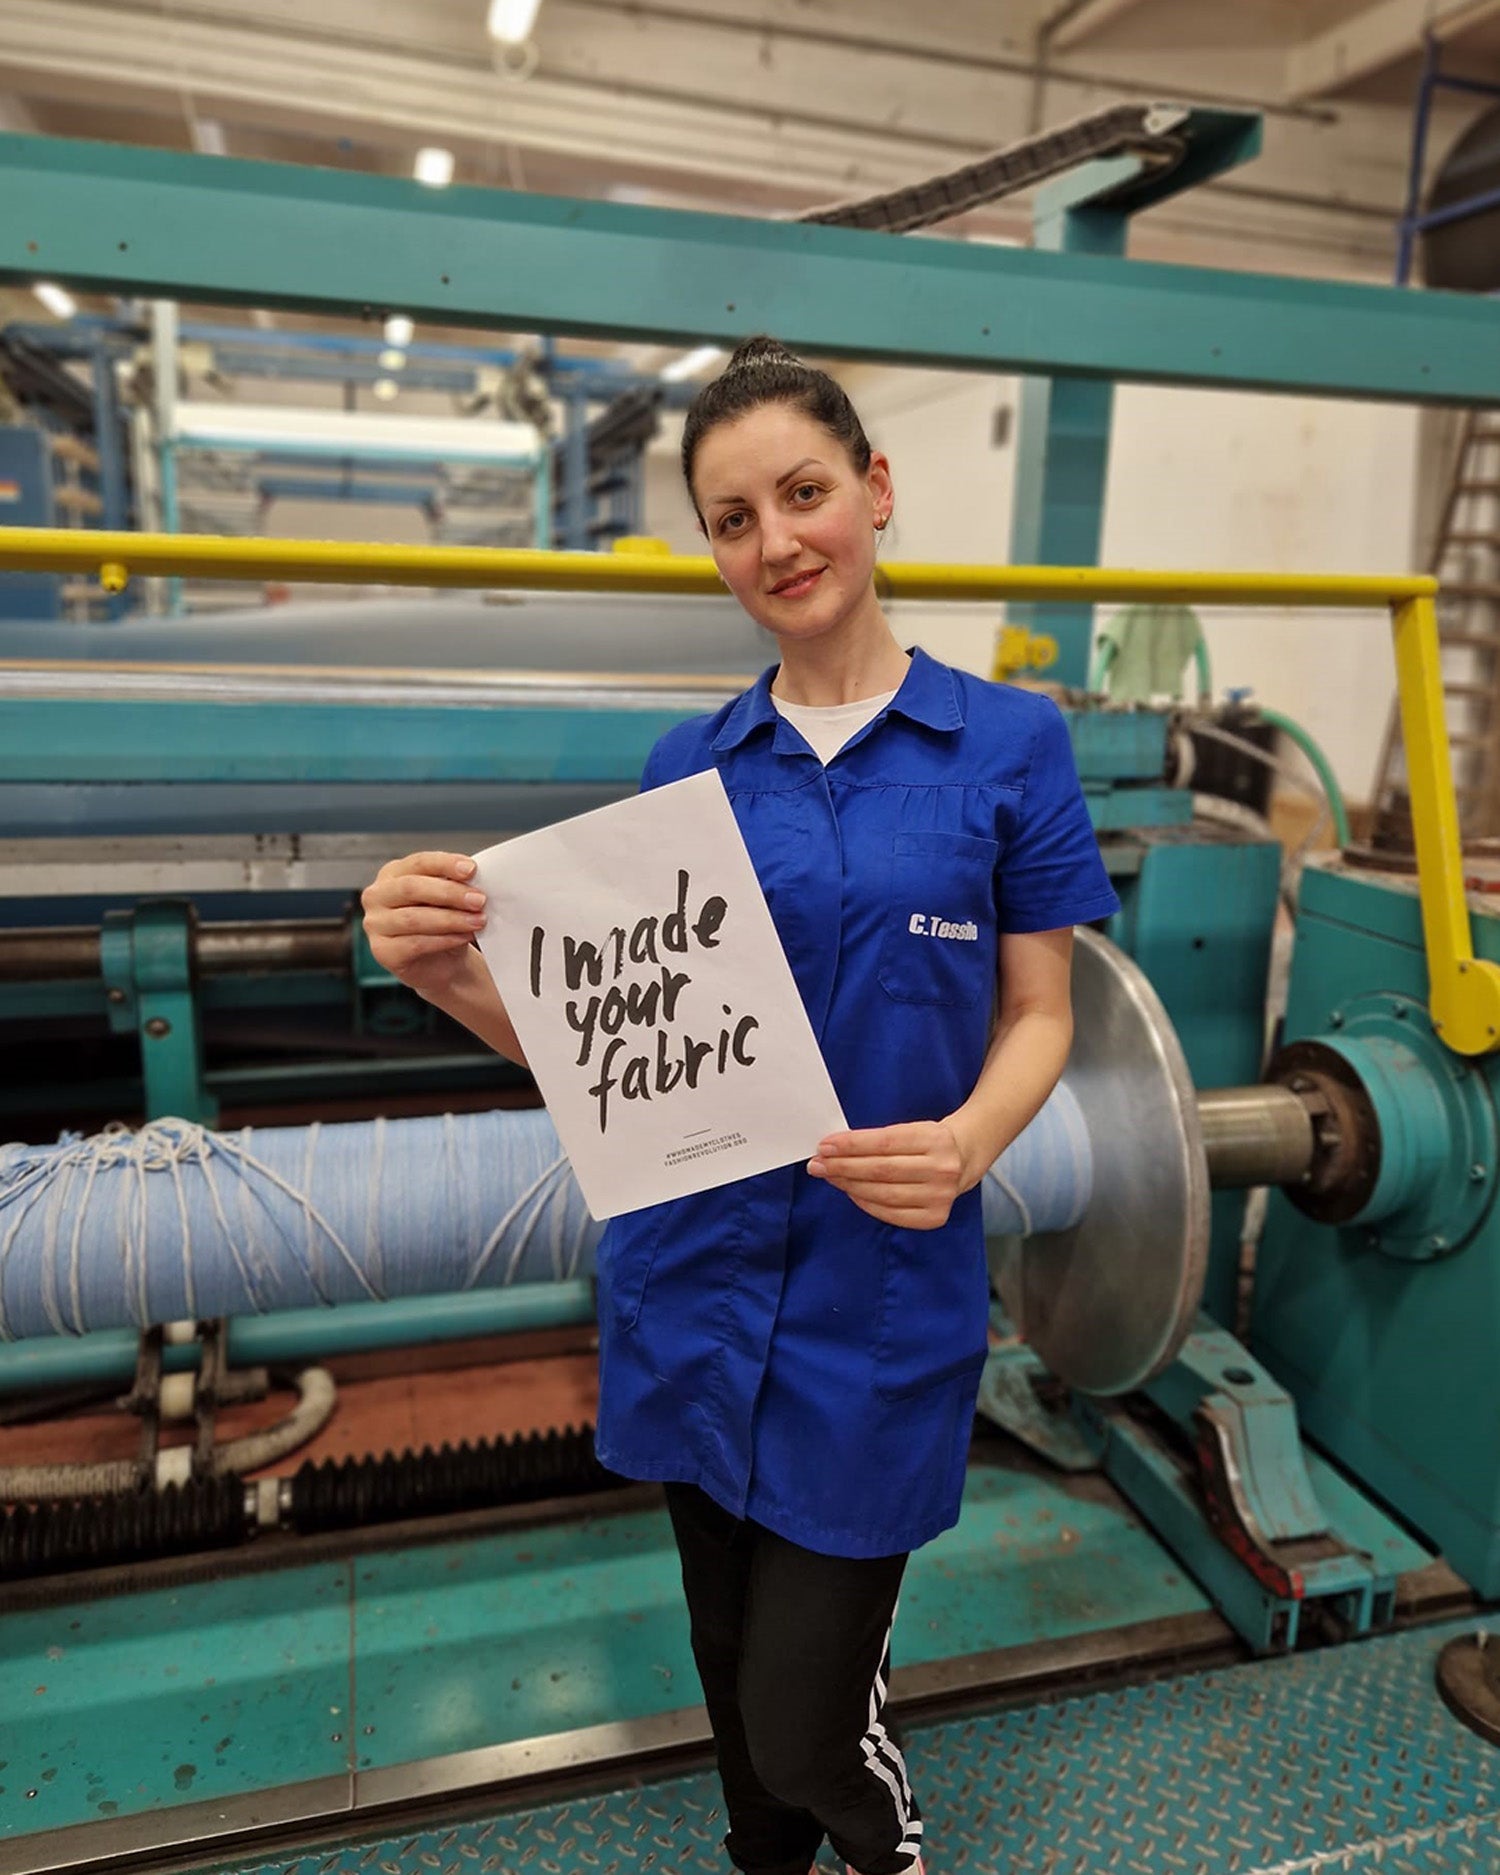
x=295 y=1335
x=316 y=1398
x=1322 y=767
x=71 y=952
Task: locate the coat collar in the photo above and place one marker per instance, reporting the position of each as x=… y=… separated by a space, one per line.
x=928 y=695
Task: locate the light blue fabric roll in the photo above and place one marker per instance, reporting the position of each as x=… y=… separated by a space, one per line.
x=175 y=1222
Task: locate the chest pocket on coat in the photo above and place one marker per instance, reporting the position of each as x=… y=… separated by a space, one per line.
x=939 y=943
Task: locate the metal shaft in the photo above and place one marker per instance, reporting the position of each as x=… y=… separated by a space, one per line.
x=1255 y=1136
x=56 y=953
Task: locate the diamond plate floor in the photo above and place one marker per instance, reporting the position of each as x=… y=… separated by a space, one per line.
x=1339 y=1761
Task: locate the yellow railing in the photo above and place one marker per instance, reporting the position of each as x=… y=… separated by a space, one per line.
x=212 y=556
x=1465 y=990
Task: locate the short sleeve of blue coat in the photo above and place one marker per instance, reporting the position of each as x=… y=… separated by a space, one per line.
x=1051 y=872
x=649 y=777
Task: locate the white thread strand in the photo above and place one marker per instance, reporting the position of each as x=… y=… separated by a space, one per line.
x=1023 y=1210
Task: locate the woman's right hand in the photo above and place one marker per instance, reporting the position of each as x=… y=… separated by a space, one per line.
x=420 y=915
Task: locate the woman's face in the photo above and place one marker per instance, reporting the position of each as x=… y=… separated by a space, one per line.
x=790 y=520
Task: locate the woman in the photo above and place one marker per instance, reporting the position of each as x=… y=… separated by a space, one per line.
x=796 y=1356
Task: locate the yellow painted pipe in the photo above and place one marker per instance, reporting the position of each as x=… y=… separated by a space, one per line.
x=212 y=556
x=1463 y=990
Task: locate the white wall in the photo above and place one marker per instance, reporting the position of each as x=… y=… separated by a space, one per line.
x=1210 y=479
x=1275 y=484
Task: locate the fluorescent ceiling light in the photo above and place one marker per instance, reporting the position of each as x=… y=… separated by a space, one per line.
x=690 y=364
x=511 y=21
x=392 y=360
x=399 y=330
x=385 y=389
x=208 y=136
x=55 y=299
x=434 y=166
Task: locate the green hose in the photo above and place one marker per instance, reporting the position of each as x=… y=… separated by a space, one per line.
x=1296 y=733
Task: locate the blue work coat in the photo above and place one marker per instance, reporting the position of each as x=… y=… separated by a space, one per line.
x=801 y=1362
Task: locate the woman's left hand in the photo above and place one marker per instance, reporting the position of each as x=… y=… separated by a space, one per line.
x=907 y=1175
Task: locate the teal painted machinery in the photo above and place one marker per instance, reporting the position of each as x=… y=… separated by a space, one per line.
x=1377 y=1301
x=1375 y=1295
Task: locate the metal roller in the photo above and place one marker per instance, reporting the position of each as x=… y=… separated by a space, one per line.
x=1107 y=1304
x=1255 y=1136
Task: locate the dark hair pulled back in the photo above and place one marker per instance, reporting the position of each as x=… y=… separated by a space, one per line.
x=763 y=371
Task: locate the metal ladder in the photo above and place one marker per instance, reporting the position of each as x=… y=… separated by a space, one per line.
x=1466 y=560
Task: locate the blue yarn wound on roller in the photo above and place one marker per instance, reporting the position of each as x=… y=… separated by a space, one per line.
x=175 y=1222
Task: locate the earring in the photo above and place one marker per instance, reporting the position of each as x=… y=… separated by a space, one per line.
x=882 y=521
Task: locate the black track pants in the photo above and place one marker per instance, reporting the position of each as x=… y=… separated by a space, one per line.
x=793 y=1649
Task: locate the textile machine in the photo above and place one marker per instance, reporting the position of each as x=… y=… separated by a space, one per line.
x=1231 y=1519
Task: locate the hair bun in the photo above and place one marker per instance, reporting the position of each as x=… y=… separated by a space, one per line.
x=759 y=352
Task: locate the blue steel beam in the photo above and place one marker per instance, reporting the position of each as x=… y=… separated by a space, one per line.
x=339 y=344
x=324 y=488
x=411 y=376
x=603 y=379
x=355 y=460
x=105 y=218
x=78 y=338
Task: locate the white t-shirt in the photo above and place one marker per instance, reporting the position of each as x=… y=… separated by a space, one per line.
x=828 y=726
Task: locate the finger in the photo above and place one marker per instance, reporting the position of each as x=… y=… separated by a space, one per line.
x=408 y=950
x=913 y=1171
x=449 y=865
x=889 y=1197
x=407 y=921
x=879 y=1141
x=924 y=1217
x=421 y=888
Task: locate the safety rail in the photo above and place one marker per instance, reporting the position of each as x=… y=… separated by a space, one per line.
x=1464 y=990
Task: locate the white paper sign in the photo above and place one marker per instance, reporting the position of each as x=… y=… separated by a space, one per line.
x=636 y=957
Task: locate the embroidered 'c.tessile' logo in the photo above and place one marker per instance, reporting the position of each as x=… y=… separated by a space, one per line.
x=928 y=924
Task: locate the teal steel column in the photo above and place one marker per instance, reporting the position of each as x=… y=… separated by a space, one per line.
x=146 y=959
x=164 y=372
x=171 y=519
x=1057 y=517
x=1063 y=454
x=541 y=498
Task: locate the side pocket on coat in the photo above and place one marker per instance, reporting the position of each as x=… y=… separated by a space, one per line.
x=623 y=1260
x=934 y=1311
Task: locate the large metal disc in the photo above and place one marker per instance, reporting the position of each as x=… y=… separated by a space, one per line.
x=1107 y=1304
